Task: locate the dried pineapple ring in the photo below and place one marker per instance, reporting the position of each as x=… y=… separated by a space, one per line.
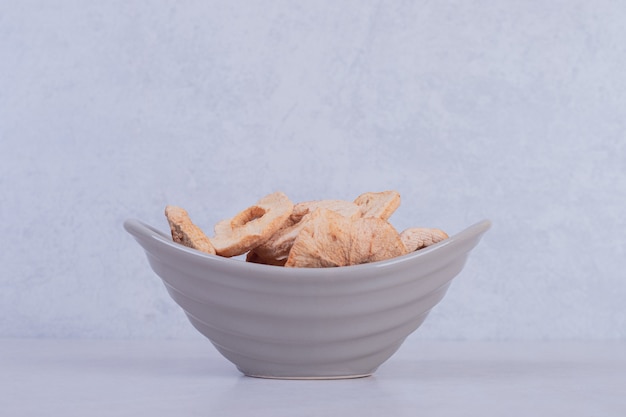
x=252 y=226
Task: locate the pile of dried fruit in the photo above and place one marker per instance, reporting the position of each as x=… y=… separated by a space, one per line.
x=312 y=234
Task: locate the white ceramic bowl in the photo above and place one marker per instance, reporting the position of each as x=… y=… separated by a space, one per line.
x=280 y=322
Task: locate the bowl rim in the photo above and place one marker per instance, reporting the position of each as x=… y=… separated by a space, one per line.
x=142 y=231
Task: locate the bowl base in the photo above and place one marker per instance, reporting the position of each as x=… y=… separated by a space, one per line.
x=309 y=378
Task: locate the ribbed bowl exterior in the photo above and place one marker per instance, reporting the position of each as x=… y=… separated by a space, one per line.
x=307 y=322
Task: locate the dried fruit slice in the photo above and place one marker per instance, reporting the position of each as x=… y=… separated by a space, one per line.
x=329 y=240
x=252 y=226
x=254 y=257
x=345 y=208
x=416 y=238
x=185 y=232
x=381 y=204
x=276 y=250
x=374 y=239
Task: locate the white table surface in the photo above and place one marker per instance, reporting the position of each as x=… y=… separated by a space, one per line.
x=189 y=378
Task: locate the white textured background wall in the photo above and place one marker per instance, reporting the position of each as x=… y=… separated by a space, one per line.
x=509 y=110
